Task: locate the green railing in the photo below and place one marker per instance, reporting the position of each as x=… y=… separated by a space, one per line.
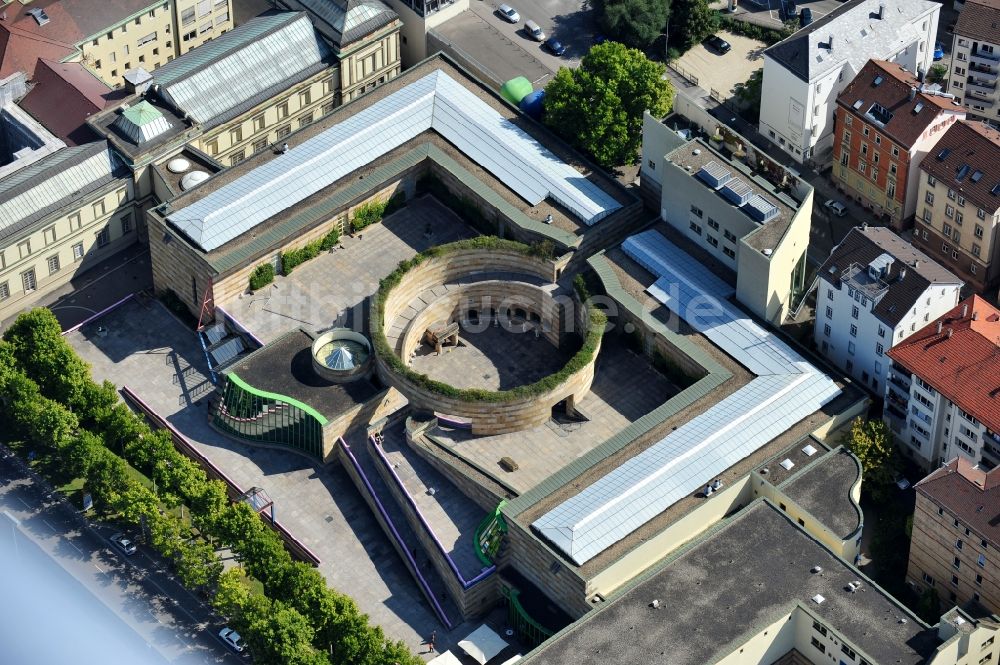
x=529 y=630
x=489 y=536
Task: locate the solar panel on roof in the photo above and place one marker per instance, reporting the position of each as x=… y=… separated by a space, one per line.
x=435 y=101
x=642 y=487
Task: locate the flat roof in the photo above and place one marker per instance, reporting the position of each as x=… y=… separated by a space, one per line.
x=764 y=195
x=434 y=101
x=823 y=489
x=787 y=388
x=285 y=367
x=732 y=584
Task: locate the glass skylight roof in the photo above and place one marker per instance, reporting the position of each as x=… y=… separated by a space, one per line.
x=786 y=390
x=435 y=101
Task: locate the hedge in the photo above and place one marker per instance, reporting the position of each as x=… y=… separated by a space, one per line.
x=580 y=359
x=373 y=211
x=295 y=257
x=769 y=36
x=261 y=276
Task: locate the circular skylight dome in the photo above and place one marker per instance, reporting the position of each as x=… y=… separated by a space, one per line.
x=178 y=165
x=193 y=178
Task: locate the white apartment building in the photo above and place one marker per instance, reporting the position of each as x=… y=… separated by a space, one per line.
x=874 y=291
x=975 y=60
x=942 y=397
x=804 y=74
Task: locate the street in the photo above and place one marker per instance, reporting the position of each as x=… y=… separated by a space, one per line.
x=70 y=598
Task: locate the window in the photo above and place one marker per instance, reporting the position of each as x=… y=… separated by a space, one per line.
x=979 y=231
x=53 y=264
x=848 y=651
x=980 y=213
x=50 y=235
x=959 y=544
x=878 y=140
x=204 y=27
x=864 y=148
x=854 y=312
x=28 y=282
x=879 y=349
x=730 y=236
x=866 y=130
x=956 y=235
x=237 y=157
x=829 y=294
x=957 y=564
x=819 y=646
x=976 y=249
x=284 y=131
x=829 y=312
x=729 y=252
x=204 y=7
x=221 y=18
x=4 y=291
x=24 y=248
x=126 y=223
x=306 y=119
x=74 y=221
x=713 y=241
x=819 y=628
x=236 y=134
x=849 y=366
x=954 y=580
x=258 y=122
x=99 y=208
x=982 y=561
x=890 y=188
x=260 y=146
x=78 y=251
x=979 y=579
x=927 y=215
x=951 y=194
x=929 y=579
x=961 y=200
x=854 y=330
x=713 y=224
x=947 y=230
x=851 y=348
x=327 y=109
x=826 y=330
x=188 y=36
x=862 y=168
x=104 y=237
x=151 y=37
x=212 y=147
x=305 y=97
x=895 y=151
x=881 y=331
x=283 y=110
x=187 y=16
x=694 y=227
x=931 y=180
x=958 y=217
x=949 y=211
x=696 y=211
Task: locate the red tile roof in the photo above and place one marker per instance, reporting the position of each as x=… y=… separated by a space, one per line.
x=962 y=362
x=21 y=50
x=969 y=493
x=910 y=117
x=65 y=94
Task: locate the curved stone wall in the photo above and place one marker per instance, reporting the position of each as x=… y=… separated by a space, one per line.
x=486 y=416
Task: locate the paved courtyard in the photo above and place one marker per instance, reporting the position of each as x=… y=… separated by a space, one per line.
x=625 y=388
x=722 y=73
x=148 y=349
x=493 y=359
x=329 y=290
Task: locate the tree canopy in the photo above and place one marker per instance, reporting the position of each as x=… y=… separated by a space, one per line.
x=598 y=107
x=635 y=23
x=871 y=443
x=691 y=21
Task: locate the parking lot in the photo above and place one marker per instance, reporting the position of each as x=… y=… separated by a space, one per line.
x=768 y=12
x=722 y=72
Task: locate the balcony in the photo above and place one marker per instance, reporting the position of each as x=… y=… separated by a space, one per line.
x=983 y=58
x=988 y=74
x=900 y=382
x=859 y=278
x=971 y=98
x=895 y=412
x=979 y=87
x=899 y=400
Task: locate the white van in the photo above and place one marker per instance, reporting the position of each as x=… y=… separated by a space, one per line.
x=533 y=31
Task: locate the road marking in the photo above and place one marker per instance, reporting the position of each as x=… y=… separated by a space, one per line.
x=98 y=567
x=70 y=542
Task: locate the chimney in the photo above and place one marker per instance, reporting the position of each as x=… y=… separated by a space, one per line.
x=902 y=274
x=864 y=226
x=950 y=331
x=284 y=147
x=920 y=74
x=975 y=316
x=965 y=310
x=939 y=326
x=881 y=10
x=829 y=43
x=913 y=93
x=916 y=263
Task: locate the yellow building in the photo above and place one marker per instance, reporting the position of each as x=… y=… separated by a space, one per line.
x=109 y=38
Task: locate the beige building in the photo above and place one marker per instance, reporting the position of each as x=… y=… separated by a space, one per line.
x=975 y=60
x=364 y=37
x=955 y=543
x=958 y=210
x=109 y=38
x=756 y=226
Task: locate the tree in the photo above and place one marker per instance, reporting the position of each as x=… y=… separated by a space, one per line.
x=937 y=73
x=749 y=94
x=599 y=106
x=38 y=347
x=871 y=442
x=197 y=565
x=691 y=21
x=635 y=23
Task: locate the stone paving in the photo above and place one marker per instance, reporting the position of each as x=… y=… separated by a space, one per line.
x=450 y=514
x=148 y=349
x=329 y=290
x=494 y=359
x=625 y=388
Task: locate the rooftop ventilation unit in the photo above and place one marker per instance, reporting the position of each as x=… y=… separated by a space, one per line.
x=818 y=599
x=737 y=192
x=787 y=464
x=816 y=569
x=714 y=175
x=39 y=15
x=809 y=450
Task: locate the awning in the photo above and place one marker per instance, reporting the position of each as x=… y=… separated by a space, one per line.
x=482 y=644
x=447 y=658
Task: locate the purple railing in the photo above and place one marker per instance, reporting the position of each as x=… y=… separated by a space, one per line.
x=188 y=448
x=239 y=325
x=98 y=315
x=399 y=539
x=466 y=584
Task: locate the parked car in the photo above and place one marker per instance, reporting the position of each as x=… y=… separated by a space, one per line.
x=533 y=30
x=718 y=43
x=805 y=17
x=835 y=208
x=509 y=14
x=123 y=544
x=554 y=46
x=789 y=10
x=232 y=639
x=938 y=51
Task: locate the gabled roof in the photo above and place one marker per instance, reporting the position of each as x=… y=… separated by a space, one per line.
x=41 y=188
x=217 y=80
x=863 y=245
x=858 y=34
x=969 y=493
x=962 y=362
x=978 y=20
x=976 y=147
x=344 y=22
x=890 y=86
x=433 y=102
x=65 y=94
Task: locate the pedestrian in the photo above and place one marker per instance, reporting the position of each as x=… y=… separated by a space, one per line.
x=430 y=642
